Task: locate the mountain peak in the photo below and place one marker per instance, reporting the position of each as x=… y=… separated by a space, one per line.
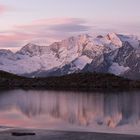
x=114 y=38
x=4 y=52
x=30 y=49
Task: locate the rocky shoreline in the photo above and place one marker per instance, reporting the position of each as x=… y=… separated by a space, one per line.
x=61 y=135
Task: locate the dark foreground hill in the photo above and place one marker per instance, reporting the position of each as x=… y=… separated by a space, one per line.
x=80 y=81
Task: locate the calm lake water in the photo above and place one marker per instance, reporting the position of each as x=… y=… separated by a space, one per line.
x=67 y=110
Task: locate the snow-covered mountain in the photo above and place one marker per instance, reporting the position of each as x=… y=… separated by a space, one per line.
x=112 y=53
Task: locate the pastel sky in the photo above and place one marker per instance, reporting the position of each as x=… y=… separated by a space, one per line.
x=46 y=21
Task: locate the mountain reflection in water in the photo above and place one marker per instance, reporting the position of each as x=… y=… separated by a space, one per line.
x=42 y=109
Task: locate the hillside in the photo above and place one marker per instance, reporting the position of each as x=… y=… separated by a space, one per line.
x=80 y=81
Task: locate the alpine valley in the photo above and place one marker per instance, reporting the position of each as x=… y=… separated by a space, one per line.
x=113 y=53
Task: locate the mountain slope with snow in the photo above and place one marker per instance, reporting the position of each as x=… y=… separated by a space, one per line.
x=113 y=53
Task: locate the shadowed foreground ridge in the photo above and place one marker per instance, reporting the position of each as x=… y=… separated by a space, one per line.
x=79 y=81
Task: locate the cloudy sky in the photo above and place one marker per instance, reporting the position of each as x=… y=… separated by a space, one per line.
x=46 y=21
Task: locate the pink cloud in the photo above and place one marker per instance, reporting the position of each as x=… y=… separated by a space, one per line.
x=3 y=9
x=51 y=22
x=50 y=30
x=60 y=21
x=58 y=28
x=15 y=36
x=14 y=40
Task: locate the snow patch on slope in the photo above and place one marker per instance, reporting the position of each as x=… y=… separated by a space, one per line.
x=116 y=69
x=82 y=61
x=133 y=40
x=111 y=41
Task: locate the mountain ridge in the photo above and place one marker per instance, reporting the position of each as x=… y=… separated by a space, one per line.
x=112 y=53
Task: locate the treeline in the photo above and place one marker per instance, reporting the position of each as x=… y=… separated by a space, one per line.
x=77 y=81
